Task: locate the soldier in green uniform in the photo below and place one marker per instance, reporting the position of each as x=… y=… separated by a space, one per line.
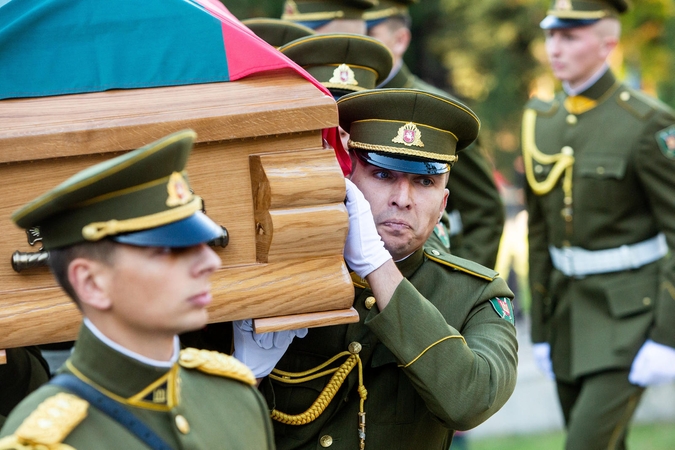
x=329 y=16
x=277 y=32
x=599 y=163
x=127 y=242
x=475 y=213
x=24 y=371
x=435 y=349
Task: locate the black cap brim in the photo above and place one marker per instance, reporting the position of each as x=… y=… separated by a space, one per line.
x=417 y=166
x=554 y=22
x=194 y=230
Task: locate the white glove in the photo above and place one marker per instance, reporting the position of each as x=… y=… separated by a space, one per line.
x=364 y=250
x=654 y=364
x=542 y=356
x=261 y=352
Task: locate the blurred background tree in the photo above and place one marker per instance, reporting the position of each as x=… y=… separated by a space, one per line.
x=491 y=54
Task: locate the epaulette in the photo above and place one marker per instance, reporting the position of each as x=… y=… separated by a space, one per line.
x=637 y=103
x=461 y=264
x=50 y=423
x=215 y=363
x=542 y=107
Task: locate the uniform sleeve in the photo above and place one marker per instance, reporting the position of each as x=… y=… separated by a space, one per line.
x=24 y=372
x=474 y=194
x=656 y=171
x=540 y=268
x=464 y=377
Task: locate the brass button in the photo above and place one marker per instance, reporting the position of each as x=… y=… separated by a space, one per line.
x=567 y=150
x=538 y=169
x=647 y=301
x=354 y=348
x=600 y=170
x=571 y=119
x=326 y=441
x=625 y=96
x=182 y=424
x=370 y=301
x=436 y=253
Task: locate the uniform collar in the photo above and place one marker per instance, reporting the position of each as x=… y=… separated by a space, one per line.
x=122 y=377
x=600 y=87
x=409 y=265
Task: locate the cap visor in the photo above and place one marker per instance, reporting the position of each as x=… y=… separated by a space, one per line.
x=193 y=230
x=551 y=22
x=314 y=24
x=407 y=165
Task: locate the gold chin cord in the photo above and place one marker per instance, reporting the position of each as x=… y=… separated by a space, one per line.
x=562 y=163
x=328 y=393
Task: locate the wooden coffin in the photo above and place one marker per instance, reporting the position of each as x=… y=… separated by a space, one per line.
x=259 y=164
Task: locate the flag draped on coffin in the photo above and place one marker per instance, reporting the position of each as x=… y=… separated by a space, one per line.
x=57 y=47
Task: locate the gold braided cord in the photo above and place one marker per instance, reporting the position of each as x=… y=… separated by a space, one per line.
x=429 y=347
x=402 y=151
x=386 y=12
x=562 y=163
x=577 y=14
x=310 y=17
x=328 y=392
x=98 y=230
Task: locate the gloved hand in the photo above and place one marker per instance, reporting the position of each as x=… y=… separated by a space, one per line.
x=364 y=250
x=542 y=356
x=654 y=364
x=261 y=352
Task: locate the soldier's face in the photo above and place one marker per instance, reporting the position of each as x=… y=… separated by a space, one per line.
x=575 y=54
x=356 y=26
x=405 y=206
x=157 y=291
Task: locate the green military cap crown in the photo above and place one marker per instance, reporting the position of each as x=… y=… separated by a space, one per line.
x=342 y=62
x=139 y=198
x=407 y=130
x=386 y=9
x=314 y=13
x=277 y=32
x=576 y=13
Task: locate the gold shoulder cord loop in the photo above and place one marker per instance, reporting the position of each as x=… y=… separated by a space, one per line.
x=562 y=162
x=328 y=393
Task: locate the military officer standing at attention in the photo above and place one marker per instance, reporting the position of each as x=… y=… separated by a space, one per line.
x=475 y=211
x=128 y=243
x=435 y=349
x=599 y=162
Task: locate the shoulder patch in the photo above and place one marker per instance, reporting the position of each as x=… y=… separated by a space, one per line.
x=504 y=308
x=637 y=103
x=542 y=106
x=49 y=424
x=461 y=264
x=666 y=141
x=215 y=363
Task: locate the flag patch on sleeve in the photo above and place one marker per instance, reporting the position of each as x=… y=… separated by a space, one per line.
x=503 y=308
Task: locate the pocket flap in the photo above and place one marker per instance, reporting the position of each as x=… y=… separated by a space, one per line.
x=601 y=166
x=634 y=298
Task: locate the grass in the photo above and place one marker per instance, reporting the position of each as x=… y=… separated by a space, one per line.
x=641 y=437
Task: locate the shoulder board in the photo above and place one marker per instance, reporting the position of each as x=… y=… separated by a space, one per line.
x=636 y=102
x=461 y=264
x=215 y=363
x=50 y=423
x=542 y=106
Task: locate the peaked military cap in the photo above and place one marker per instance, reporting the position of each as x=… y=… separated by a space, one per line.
x=315 y=13
x=140 y=198
x=277 y=32
x=342 y=62
x=578 y=13
x=407 y=130
x=386 y=9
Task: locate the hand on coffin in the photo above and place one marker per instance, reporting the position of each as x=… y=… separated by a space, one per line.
x=364 y=250
x=261 y=351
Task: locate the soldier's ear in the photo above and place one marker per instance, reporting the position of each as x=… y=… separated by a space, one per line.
x=90 y=280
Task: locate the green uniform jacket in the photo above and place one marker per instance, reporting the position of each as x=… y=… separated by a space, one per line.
x=623 y=192
x=434 y=361
x=187 y=408
x=472 y=192
x=25 y=371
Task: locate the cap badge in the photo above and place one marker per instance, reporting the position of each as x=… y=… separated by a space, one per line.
x=666 y=141
x=563 y=5
x=291 y=8
x=178 y=189
x=343 y=74
x=409 y=135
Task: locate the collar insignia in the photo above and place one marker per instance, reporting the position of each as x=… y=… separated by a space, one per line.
x=343 y=74
x=178 y=189
x=409 y=135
